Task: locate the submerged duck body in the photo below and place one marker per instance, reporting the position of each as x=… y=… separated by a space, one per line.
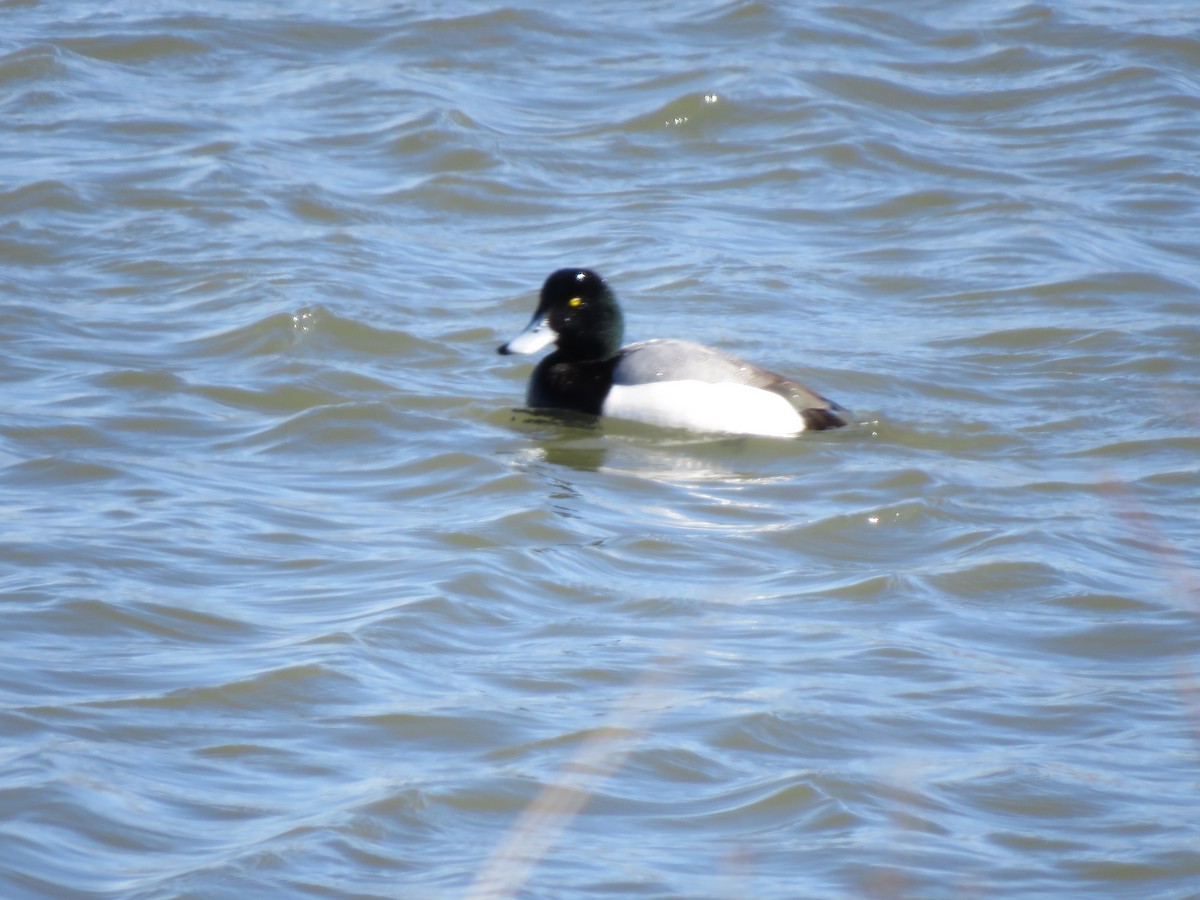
x=671 y=383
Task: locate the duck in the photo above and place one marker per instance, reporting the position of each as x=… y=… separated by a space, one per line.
x=668 y=382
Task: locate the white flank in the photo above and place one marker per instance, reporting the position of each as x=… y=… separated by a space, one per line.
x=700 y=406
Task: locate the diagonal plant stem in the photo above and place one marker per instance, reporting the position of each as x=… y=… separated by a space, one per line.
x=597 y=759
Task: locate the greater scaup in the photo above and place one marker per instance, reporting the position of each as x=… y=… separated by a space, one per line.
x=671 y=383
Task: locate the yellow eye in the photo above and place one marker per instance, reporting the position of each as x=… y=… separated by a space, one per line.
x=575 y=302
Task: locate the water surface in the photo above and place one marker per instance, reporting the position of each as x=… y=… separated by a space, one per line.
x=299 y=602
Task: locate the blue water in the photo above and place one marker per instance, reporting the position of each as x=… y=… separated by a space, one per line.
x=299 y=602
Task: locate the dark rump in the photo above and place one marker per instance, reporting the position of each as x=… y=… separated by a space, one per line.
x=821 y=419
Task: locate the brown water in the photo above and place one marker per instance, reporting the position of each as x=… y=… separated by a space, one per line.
x=297 y=602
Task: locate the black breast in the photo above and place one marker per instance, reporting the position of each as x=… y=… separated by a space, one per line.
x=578 y=386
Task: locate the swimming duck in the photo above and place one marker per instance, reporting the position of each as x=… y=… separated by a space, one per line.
x=672 y=383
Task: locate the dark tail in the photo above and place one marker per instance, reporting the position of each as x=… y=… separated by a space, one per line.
x=821 y=419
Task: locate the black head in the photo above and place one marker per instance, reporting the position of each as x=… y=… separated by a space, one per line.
x=578 y=312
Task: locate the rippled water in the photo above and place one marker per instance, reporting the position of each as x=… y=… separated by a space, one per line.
x=298 y=602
